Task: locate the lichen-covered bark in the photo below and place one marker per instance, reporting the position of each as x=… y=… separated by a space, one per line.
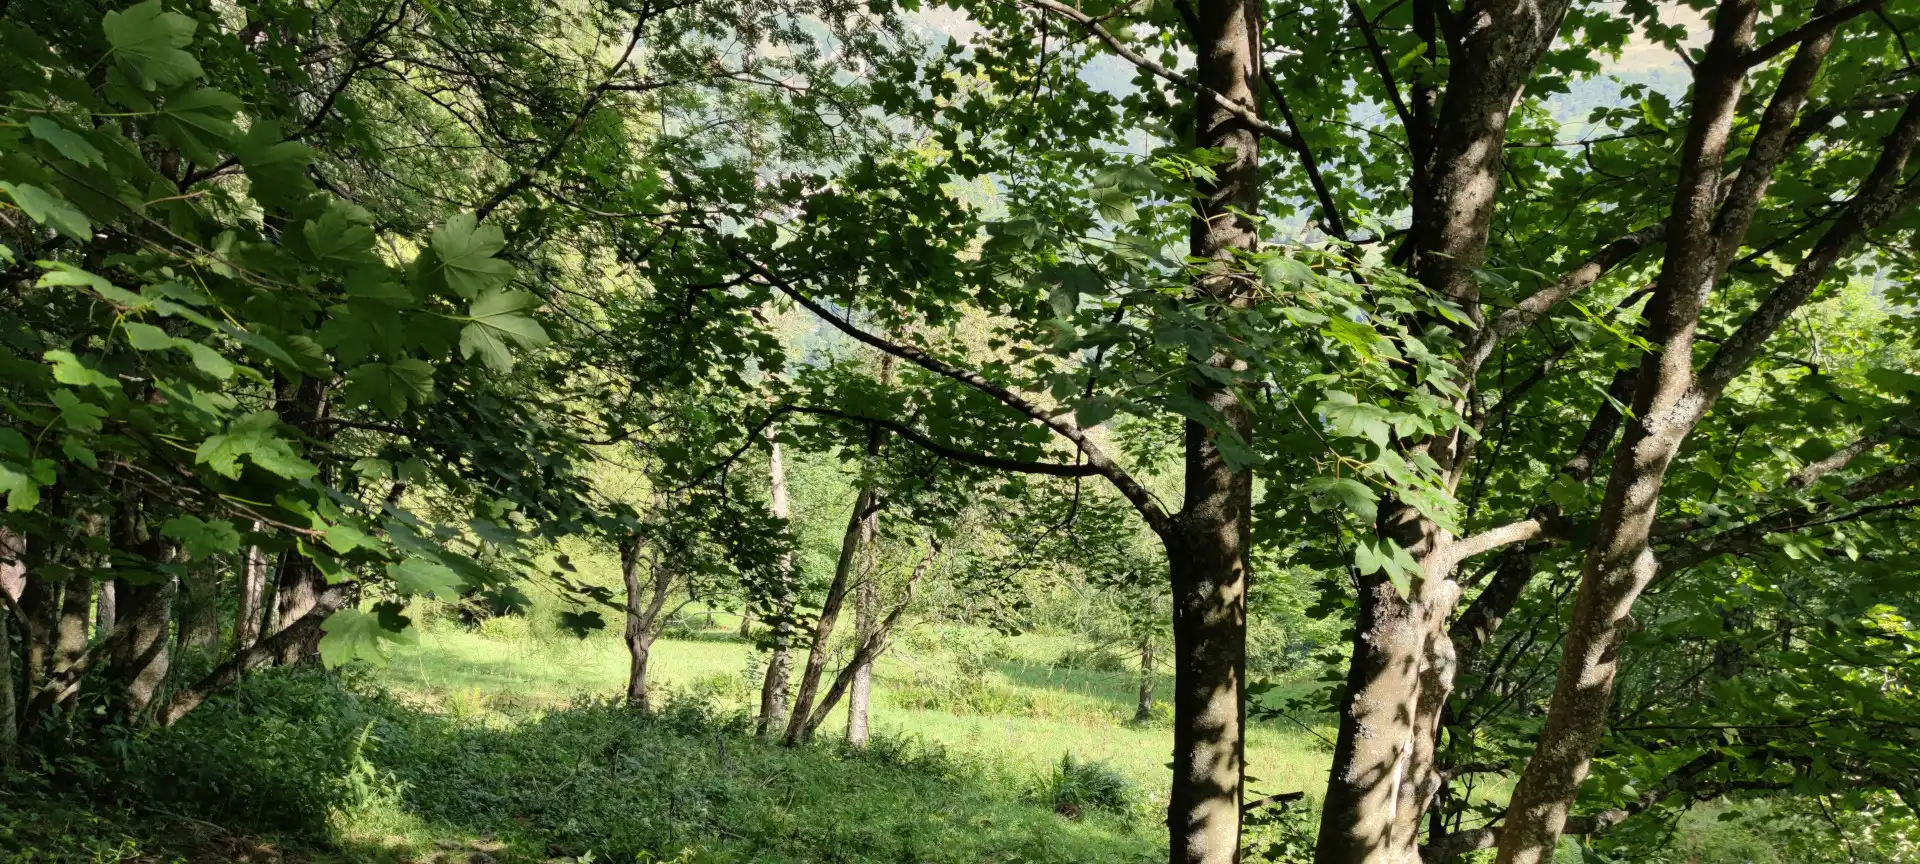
x=773 y=689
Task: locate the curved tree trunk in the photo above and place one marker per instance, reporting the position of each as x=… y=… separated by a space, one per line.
x=644 y=602
x=850 y=543
x=70 y=633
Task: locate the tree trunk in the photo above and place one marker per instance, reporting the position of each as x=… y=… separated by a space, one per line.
x=850 y=542
x=867 y=652
x=298 y=590
x=1619 y=562
x=773 y=690
x=139 y=663
x=200 y=609
x=39 y=627
x=1207 y=542
x=13 y=570
x=643 y=612
x=866 y=621
x=1143 y=709
x=301 y=584
x=253 y=584
x=105 y=611
x=70 y=633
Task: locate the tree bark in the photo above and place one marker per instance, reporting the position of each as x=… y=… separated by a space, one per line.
x=299 y=589
x=253 y=585
x=301 y=584
x=105 y=608
x=140 y=661
x=1403 y=663
x=644 y=602
x=70 y=633
x=1207 y=542
x=13 y=571
x=39 y=626
x=773 y=690
x=1620 y=561
x=866 y=620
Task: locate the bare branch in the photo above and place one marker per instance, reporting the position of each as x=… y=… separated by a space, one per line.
x=1579 y=279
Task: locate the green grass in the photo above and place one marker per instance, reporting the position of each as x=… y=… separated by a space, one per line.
x=501 y=670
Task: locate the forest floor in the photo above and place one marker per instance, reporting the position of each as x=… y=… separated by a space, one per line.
x=501 y=745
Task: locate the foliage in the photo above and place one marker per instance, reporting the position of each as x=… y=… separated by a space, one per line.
x=1075 y=787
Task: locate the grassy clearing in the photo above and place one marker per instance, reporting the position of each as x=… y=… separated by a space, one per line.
x=1023 y=714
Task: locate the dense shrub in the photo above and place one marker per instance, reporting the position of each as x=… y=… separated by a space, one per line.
x=1096 y=658
x=1076 y=787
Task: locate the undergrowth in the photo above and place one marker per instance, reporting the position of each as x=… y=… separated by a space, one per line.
x=315 y=767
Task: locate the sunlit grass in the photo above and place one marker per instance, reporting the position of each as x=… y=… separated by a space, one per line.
x=502 y=670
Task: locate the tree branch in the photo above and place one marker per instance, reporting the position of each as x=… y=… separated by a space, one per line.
x=1819 y=26
x=1097 y=460
x=1245 y=113
x=1579 y=279
x=1000 y=463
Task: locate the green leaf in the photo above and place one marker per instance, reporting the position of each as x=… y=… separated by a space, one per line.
x=276 y=169
x=77 y=414
x=68 y=142
x=253 y=436
x=14 y=444
x=342 y=236
x=64 y=274
x=200 y=123
x=497 y=318
x=78 y=451
x=343 y=538
x=391 y=387
x=464 y=253
x=49 y=209
x=146 y=337
x=355 y=635
x=68 y=369
x=1356 y=497
x=1351 y=418
x=200 y=538
x=207 y=359
x=422 y=576
x=22 y=485
x=146 y=43
x=1366 y=558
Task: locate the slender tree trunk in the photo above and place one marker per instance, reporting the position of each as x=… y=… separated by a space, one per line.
x=253 y=584
x=1143 y=709
x=850 y=543
x=773 y=690
x=39 y=627
x=105 y=613
x=643 y=612
x=70 y=633
x=867 y=652
x=13 y=570
x=746 y=623
x=866 y=621
x=1207 y=542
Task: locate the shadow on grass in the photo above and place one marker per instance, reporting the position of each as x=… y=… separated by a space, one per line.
x=300 y=767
